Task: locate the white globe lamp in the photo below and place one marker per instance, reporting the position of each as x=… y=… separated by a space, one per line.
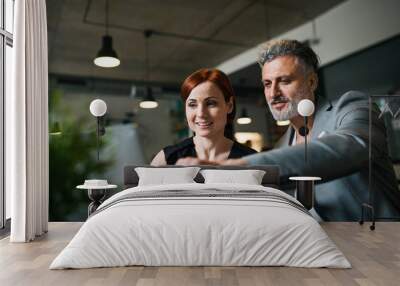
x=98 y=108
x=305 y=108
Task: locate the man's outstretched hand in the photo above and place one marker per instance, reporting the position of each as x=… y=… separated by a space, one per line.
x=233 y=162
x=191 y=161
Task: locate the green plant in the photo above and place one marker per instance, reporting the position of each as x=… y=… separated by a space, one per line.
x=72 y=159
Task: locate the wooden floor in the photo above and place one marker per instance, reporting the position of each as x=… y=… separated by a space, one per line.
x=374 y=255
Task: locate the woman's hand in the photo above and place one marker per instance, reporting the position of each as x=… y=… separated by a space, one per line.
x=190 y=161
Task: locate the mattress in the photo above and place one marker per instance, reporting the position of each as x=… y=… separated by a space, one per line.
x=201 y=225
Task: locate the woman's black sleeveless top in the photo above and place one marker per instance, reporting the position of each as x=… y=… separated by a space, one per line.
x=186 y=149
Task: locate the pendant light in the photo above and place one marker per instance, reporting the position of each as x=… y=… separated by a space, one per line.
x=244 y=118
x=149 y=100
x=55 y=129
x=107 y=57
x=283 y=122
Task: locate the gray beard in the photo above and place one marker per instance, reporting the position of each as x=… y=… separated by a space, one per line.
x=287 y=114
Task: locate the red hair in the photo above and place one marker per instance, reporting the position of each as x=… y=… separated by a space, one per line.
x=222 y=81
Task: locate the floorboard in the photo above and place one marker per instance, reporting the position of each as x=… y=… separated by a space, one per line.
x=374 y=255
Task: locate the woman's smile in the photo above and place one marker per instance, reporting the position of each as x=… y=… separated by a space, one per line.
x=204 y=124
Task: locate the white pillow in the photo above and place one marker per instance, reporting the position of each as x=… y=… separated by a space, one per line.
x=249 y=177
x=164 y=176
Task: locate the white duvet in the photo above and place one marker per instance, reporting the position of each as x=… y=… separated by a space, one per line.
x=183 y=231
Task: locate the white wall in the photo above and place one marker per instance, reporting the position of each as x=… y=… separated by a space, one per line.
x=347 y=28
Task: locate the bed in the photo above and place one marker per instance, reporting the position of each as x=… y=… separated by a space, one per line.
x=201 y=224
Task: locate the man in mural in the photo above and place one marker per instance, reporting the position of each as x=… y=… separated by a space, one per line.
x=338 y=137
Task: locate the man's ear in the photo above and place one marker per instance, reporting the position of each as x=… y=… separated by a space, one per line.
x=313 y=81
x=230 y=105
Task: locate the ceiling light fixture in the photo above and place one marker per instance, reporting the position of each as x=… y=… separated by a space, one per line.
x=283 y=122
x=55 y=129
x=107 y=57
x=244 y=118
x=149 y=100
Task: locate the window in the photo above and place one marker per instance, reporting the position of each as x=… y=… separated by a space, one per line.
x=6 y=43
x=9 y=15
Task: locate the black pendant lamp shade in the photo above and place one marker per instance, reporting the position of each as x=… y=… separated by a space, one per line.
x=244 y=118
x=149 y=101
x=107 y=57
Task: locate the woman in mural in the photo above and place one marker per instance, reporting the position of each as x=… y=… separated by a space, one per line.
x=210 y=111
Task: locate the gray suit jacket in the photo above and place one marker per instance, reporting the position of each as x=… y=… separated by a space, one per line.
x=338 y=153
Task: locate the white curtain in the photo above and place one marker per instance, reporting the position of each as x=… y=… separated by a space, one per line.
x=27 y=123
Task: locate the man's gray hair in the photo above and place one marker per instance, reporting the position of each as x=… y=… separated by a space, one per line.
x=278 y=48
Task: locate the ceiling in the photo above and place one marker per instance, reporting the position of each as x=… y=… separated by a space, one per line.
x=187 y=35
